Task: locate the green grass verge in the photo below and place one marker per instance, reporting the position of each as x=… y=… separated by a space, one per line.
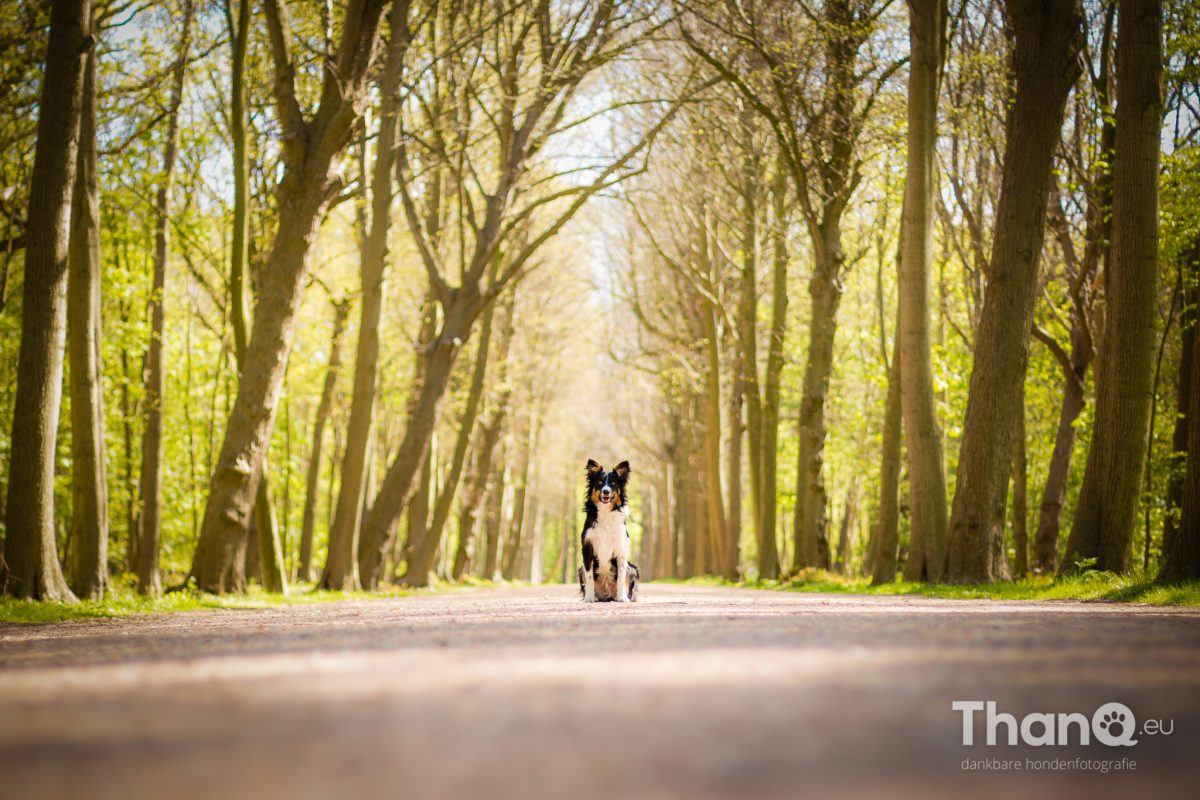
x=1088 y=586
x=123 y=602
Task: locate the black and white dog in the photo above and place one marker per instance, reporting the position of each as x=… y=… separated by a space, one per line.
x=606 y=573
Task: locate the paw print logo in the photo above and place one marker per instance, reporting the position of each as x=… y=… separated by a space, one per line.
x=1113 y=724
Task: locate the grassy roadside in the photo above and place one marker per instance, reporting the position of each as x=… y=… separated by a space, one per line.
x=124 y=602
x=1089 y=586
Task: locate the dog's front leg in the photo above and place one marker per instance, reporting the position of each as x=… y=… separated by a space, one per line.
x=622 y=579
x=587 y=576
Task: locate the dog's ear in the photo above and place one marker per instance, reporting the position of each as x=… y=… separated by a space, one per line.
x=593 y=467
x=622 y=469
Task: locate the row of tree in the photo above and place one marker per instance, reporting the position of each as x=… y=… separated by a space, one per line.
x=1013 y=180
x=415 y=261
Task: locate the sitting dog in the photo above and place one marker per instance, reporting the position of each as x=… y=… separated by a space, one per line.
x=606 y=573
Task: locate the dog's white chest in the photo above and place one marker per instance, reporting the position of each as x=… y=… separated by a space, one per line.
x=609 y=537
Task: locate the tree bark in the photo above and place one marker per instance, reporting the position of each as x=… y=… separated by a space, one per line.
x=341 y=567
x=303 y=195
x=476 y=489
x=1107 y=509
x=1181 y=543
x=324 y=407
x=809 y=535
x=1020 y=511
x=730 y=556
x=747 y=364
x=1183 y=401
x=421 y=558
x=418 y=508
x=512 y=547
x=30 y=566
x=1045 y=64
x=927 y=482
x=150 y=490
x=713 y=491
x=89 y=483
x=768 y=553
x=886 y=541
x=492 y=522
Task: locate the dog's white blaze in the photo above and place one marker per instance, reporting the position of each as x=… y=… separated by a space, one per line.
x=609 y=539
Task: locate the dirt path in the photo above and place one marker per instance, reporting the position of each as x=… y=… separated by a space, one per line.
x=531 y=694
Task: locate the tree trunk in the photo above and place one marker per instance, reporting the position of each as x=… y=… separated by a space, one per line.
x=845 y=546
x=399 y=484
x=747 y=364
x=730 y=555
x=809 y=524
x=340 y=567
x=1020 y=512
x=476 y=489
x=421 y=558
x=886 y=540
x=664 y=559
x=418 y=508
x=1183 y=401
x=149 y=582
x=1108 y=500
x=768 y=553
x=492 y=522
x=1045 y=63
x=89 y=483
x=324 y=407
x=713 y=490
x=512 y=548
x=1058 y=474
x=927 y=481
x=1181 y=543
x=30 y=564
x=303 y=195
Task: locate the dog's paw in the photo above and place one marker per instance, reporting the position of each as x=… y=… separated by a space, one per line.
x=589 y=597
x=622 y=597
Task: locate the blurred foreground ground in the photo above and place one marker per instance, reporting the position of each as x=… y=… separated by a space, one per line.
x=691 y=692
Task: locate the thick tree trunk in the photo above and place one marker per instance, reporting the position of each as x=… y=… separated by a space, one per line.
x=30 y=565
x=1045 y=64
x=150 y=490
x=1107 y=509
x=809 y=535
x=927 y=481
x=89 y=483
x=324 y=407
x=768 y=553
x=303 y=195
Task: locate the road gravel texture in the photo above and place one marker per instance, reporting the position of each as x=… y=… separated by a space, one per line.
x=529 y=693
